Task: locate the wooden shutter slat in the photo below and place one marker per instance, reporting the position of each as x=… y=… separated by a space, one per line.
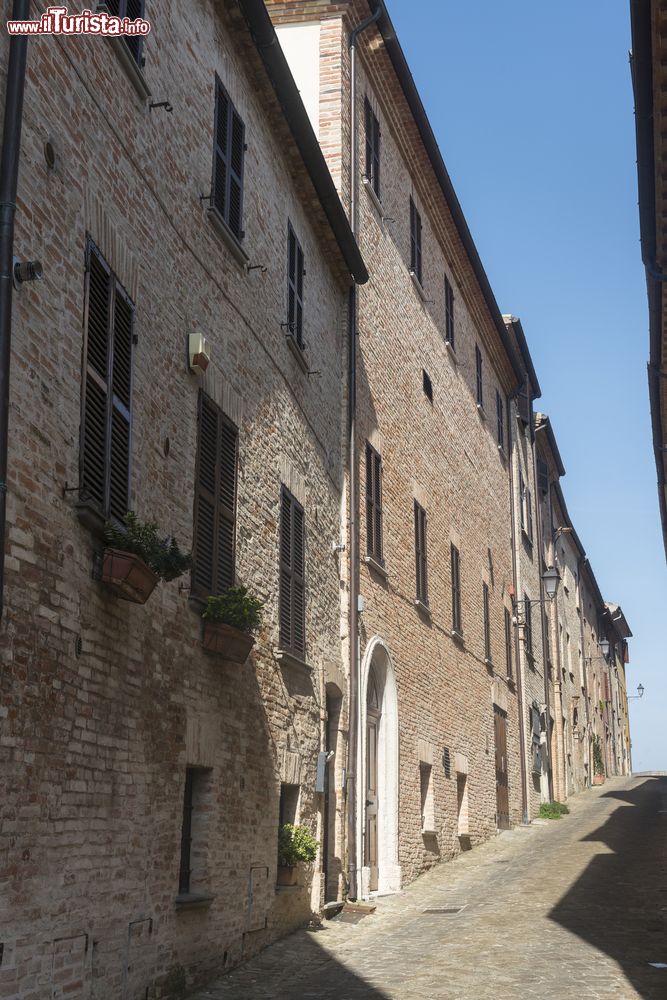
x=203 y=546
x=291 y=583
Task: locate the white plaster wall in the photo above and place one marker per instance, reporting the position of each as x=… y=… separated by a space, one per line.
x=301 y=45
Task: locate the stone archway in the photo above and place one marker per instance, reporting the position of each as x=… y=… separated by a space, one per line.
x=380 y=724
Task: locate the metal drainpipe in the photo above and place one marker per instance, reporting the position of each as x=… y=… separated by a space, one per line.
x=517 y=648
x=353 y=738
x=545 y=619
x=9 y=171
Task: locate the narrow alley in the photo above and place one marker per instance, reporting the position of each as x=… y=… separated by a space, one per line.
x=572 y=908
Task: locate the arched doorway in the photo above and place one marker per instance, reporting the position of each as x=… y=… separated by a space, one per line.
x=378 y=773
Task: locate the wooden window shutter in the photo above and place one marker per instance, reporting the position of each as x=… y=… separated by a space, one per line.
x=529 y=514
x=415 y=242
x=449 y=312
x=528 y=619
x=295 y=273
x=487 y=621
x=523 y=402
x=522 y=500
x=107 y=394
x=228 y=160
x=372 y=147
x=542 y=476
x=215 y=501
x=500 y=418
x=420 y=553
x=456 y=590
x=374 y=504
x=292 y=605
x=479 y=377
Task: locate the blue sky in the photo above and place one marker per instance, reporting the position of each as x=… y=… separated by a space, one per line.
x=532 y=106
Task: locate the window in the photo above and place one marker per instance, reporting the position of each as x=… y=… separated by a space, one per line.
x=131 y=9
x=478 y=373
x=292 y=586
x=372 y=148
x=500 y=420
x=228 y=156
x=526 y=508
x=487 y=623
x=106 y=417
x=427 y=804
x=374 y=504
x=427 y=385
x=528 y=628
x=508 y=643
x=449 y=313
x=420 y=553
x=295 y=273
x=415 y=242
x=193 y=830
x=213 y=546
x=456 y=591
x=522 y=505
x=289 y=804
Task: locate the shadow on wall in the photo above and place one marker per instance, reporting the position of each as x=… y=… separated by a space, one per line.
x=619 y=905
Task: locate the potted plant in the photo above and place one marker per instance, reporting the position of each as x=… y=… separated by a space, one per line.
x=295 y=844
x=598 y=762
x=229 y=620
x=135 y=558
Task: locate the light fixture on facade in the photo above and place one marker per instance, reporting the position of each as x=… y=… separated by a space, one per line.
x=551 y=579
x=198 y=353
x=604 y=647
x=640 y=693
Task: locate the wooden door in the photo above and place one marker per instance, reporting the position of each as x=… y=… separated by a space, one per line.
x=372 y=726
x=502 y=790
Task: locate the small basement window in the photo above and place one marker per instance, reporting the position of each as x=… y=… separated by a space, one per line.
x=289 y=803
x=428 y=385
x=427 y=807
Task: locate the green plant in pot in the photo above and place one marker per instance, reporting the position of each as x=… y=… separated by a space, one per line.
x=598 y=762
x=295 y=844
x=229 y=620
x=136 y=557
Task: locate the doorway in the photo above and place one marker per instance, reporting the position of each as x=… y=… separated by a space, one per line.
x=373 y=715
x=502 y=788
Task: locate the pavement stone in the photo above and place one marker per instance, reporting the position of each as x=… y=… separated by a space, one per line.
x=574 y=908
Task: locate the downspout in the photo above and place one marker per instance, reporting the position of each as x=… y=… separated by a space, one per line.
x=9 y=171
x=545 y=620
x=525 y=817
x=353 y=737
x=589 y=755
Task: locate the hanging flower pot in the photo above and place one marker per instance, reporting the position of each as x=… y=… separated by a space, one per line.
x=226 y=641
x=128 y=576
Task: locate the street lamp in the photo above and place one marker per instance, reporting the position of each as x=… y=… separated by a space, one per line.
x=640 y=692
x=551 y=579
x=604 y=647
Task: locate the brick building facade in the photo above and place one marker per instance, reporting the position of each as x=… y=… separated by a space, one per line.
x=394 y=506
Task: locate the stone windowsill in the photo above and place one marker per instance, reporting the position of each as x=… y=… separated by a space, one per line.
x=284 y=656
x=418 y=285
x=90 y=518
x=423 y=607
x=457 y=636
x=502 y=452
x=526 y=537
x=297 y=351
x=377 y=204
x=193 y=901
x=376 y=566
x=451 y=351
x=288 y=888
x=488 y=663
x=429 y=832
x=127 y=61
x=480 y=410
x=232 y=242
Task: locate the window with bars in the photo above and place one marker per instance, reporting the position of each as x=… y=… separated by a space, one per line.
x=292 y=611
x=528 y=625
x=228 y=156
x=420 y=554
x=487 y=622
x=457 y=624
x=500 y=420
x=415 y=242
x=106 y=413
x=479 y=377
x=194 y=831
x=449 y=313
x=185 y=871
x=508 y=644
x=374 y=505
x=372 y=147
x=295 y=275
x=213 y=548
x=132 y=9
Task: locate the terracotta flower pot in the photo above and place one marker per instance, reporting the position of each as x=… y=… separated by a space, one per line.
x=598 y=779
x=228 y=642
x=287 y=875
x=128 y=576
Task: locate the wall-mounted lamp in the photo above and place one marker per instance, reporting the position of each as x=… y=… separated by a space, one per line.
x=550 y=579
x=604 y=647
x=640 y=692
x=27 y=270
x=198 y=353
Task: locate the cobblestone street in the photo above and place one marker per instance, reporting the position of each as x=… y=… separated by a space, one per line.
x=572 y=908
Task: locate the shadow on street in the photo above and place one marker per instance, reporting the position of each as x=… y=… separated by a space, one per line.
x=619 y=904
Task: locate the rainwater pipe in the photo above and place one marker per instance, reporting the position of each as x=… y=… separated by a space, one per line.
x=354 y=715
x=9 y=172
